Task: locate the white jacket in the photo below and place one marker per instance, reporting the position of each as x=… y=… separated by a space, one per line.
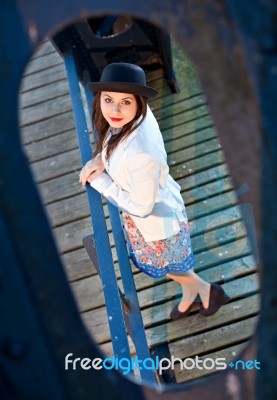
x=138 y=182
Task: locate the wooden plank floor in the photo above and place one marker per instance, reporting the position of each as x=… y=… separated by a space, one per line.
x=196 y=161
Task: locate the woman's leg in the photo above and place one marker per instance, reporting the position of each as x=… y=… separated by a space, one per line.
x=191 y=285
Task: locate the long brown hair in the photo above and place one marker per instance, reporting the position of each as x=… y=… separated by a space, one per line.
x=101 y=126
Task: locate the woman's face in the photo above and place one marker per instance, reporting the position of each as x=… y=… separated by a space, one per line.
x=118 y=108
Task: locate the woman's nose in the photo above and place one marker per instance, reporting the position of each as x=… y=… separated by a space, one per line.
x=116 y=107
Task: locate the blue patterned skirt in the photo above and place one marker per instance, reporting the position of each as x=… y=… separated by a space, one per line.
x=172 y=255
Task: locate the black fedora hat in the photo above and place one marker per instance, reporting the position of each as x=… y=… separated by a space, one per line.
x=123 y=78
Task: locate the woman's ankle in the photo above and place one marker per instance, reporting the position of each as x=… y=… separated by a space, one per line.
x=205 y=294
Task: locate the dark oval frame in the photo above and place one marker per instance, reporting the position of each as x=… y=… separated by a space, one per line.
x=234 y=57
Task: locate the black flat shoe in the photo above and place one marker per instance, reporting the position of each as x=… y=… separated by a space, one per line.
x=176 y=314
x=217 y=298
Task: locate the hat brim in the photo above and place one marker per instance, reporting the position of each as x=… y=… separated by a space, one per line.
x=123 y=87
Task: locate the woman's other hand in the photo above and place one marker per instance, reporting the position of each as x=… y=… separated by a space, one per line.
x=91 y=170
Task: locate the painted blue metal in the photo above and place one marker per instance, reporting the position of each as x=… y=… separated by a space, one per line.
x=110 y=289
x=137 y=327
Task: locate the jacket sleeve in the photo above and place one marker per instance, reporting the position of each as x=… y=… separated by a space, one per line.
x=145 y=173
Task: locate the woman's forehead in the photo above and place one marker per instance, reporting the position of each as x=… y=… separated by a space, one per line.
x=117 y=95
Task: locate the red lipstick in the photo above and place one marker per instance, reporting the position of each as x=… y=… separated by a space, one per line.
x=116 y=119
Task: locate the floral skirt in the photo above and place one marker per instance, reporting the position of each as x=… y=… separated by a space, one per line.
x=157 y=258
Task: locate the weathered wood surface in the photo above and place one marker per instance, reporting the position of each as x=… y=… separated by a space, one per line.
x=75 y=207
x=88 y=291
x=196 y=161
x=49 y=92
x=69 y=236
x=158 y=299
x=188 y=175
x=200 y=328
x=43 y=78
x=229 y=353
x=63 y=163
x=43 y=62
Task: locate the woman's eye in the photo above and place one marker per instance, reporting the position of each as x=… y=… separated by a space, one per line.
x=124 y=102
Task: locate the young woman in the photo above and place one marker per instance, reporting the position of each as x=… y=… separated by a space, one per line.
x=130 y=169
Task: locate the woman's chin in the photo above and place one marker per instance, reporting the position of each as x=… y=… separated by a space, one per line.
x=116 y=125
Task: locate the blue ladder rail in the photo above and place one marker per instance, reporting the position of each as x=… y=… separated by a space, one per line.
x=98 y=247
